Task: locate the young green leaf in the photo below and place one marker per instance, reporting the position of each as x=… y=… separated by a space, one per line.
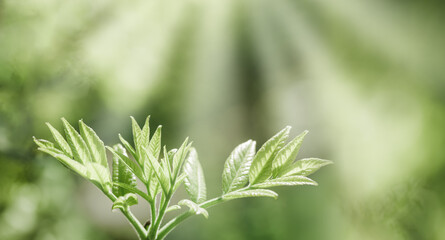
x=250 y=193
x=155 y=143
x=306 y=166
x=261 y=168
x=195 y=208
x=121 y=173
x=65 y=160
x=127 y=146
x=236 y=167
x=133 y=189
x=145 y=133
x=132 y=166
x=137 y=132
x=194 y=181
x=179 y=157
x=77 y=144
x=153 y=185
x=287 y=155
x=141 y=136
x=44 y=143
x=158 y=171
x=63 y=145
x=123 y=202
x=99 y=175
x=286 y=181
x=95 y=145
x=179 y=181
x=172 y=208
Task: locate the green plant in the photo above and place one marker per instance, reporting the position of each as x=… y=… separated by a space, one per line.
x=246 y=173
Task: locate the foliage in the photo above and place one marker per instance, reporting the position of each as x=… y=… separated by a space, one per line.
x=246 y=173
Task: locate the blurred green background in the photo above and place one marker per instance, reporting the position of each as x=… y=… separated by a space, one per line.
x=367 y=78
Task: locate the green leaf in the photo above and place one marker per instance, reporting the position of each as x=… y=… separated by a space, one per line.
x=123 y=202
x=179 y=181
x=141 y=137
x=137 y=132
x=172 y=208
x=133 y=189
x=236 y=167
x=195 y=208
x=145 y=133
x=121 y=173
x=131 y=199
x=127 y=146
x=132 y=166
x=153 y=186
x=155 y=143
x=250 y=193
x=119 y=203
x=77 y=144
x=158 y=171
x=287 y=155
x=99 y=175
x=95 y=145
x=65 y=160
x=286 y=181
x=194 y=181
x=170 y=154
x=306 y=166
x=179 y=157
x=43 y=143
x=167 y=162
x=261 y=168
x=60 y=140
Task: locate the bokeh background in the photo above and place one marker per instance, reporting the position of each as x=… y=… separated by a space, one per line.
x=367 y=78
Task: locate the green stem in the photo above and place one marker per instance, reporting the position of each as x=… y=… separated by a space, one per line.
x=152 y=235
x=138 y=227
x=142 y=233
x=153 y=212
x=168 y=227
x=152 y=203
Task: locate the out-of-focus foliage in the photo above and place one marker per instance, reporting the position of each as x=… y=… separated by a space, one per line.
x=366 y=77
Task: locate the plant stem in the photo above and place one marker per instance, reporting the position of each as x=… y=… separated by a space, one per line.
x=138 y=227
x=168 y=227
x=152 y=234
x=142 y=233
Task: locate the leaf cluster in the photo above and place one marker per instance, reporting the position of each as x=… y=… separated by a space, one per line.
x=247 y=172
